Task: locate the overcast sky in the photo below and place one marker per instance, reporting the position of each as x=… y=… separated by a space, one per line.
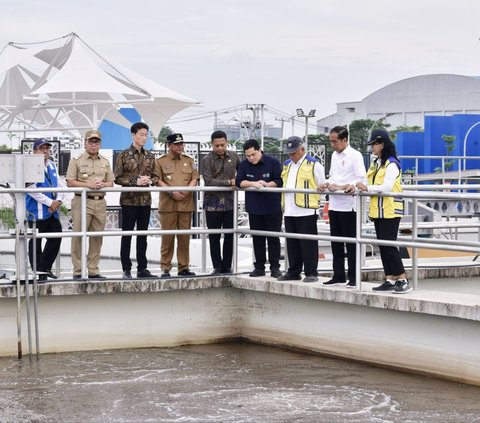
x=286 y=54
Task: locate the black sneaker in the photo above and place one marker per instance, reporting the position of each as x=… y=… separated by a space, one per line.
x=289 y=277
x=275 y=273
x=186 y=272
x=256 y=273
x=216 y=272
x=145 y=274
x=127 y=274
x=165 y=274
x=333 y=282
x=227 y=271
x=385 y=286
x=351 y=284
x=402 y=287
x=77 y=276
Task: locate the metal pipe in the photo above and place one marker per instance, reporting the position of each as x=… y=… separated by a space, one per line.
x=35 y=287
x=27 y=289
x=414 y=249
x=19 y=300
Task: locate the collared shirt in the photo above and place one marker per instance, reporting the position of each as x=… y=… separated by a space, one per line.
x=347 y=167
x=86 y=168
x=131 y=164
x=268 y=169
x=219 y=171
x=291 y=209
x=176 y=171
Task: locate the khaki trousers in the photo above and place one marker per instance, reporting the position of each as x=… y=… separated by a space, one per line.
x=96 y=218
x=175 y=220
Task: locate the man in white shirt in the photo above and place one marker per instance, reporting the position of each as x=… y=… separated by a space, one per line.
x=346 y=170
x=301 y=171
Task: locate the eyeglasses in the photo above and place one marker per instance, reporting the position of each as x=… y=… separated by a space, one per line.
x=93 y=141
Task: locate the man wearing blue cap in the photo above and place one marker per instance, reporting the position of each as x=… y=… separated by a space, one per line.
x=43 y=209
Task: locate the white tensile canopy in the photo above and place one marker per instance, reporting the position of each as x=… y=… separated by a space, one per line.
x=64 y=85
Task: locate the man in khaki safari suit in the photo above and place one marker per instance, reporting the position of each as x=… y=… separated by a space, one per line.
x=176 y=169
x=91 y=170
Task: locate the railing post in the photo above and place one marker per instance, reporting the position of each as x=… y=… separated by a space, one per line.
x=235 y=235
x=204 y=243
x=358 y=245
x=414 y=239
x=84 y=230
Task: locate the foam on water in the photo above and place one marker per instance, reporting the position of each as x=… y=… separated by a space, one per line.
x=222 y=383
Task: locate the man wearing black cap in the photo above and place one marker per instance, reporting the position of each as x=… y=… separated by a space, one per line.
x=301 y=171
x=43 y=208
x=175 y=208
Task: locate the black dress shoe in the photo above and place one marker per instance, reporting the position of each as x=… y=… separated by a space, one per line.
x=275 y=273
x=127 y=274
x=50 y=274
x=165 y=274
x=289 y=277
x=42 y=278
x=145 y=274
x=216 y=272
x=77 y=276
x=256 y=273
x=227 y=271
x=186 y=272
x=97 y=276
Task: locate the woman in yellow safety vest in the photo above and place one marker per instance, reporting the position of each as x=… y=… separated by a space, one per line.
x=385 y=175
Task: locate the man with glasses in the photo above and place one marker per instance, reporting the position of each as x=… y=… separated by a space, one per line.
x=89 y=170
x=134 y=168
x=43 y=208
x=176 y=169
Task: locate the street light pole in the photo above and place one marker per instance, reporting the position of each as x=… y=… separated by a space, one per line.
x=311 y=114
x=465 y=144
x=377 y=121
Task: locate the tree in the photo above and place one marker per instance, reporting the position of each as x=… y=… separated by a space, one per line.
x=272 y=145
x=359 y=131
x=450 y=146
x=404 y=128
x=162 y=136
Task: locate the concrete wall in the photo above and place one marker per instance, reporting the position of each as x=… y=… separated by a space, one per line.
x=435 y=333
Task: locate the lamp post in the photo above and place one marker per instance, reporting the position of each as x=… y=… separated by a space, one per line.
x=377 y=121
x=465 y=144
x=311 y=114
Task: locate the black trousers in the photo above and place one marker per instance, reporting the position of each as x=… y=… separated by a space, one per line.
x=219 y=220
x=131 y=216
x=388 y=229
x=47 y=256
x=343 y=224
x=302 y=253
x=266 y=222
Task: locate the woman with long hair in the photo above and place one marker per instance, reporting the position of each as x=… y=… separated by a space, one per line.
x=385 y=175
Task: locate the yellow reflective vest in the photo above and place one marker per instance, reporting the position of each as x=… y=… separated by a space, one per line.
x=385 y=207
x=305 y=180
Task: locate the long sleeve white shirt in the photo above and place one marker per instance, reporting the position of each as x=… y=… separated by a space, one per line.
x=346 y=167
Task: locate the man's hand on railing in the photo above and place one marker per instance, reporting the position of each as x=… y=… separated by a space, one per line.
x=361 y=186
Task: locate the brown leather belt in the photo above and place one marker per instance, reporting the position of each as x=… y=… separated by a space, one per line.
x=92 y=197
